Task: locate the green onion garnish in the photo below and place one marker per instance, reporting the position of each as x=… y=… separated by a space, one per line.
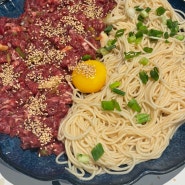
x=180 y=37
x=155 y=33
x=131 y=39
x=143 y=76
x=115 y=85
x=160 y=11
x=166 y=35
x=20 y=52
x=137 y=8
x=173 y=26
x=144 y=61
x=83 y=158
x=86 y=57
x=148 y=50
x=102 y=51
x=133 y=104
x=116 y=105
x=131 y=54
x=154 y=73
x=97 y=151
x=118 y=91
x=142 y=118
x=110 y=105
x=107 y=105
x=119 y=33
x=108 y=29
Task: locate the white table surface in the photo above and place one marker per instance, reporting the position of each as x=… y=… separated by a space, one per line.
x=177 y=177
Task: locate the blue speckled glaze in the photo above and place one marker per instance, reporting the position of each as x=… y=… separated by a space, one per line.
x=12 y=8
x=45 y=168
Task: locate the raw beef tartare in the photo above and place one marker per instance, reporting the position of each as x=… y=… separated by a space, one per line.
x=37 y=51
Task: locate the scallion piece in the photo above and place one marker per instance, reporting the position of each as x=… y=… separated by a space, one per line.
x=160 y=11
x=83 y=158
x=97 y=151
x=115 y=85
x=144 y=61
x=20 y=52
x=166 y=35
x=131 y=54
x=110 y=105
x=118 y=91
x=155 y=33
x=142 y=118
x=154 y=73
x=107 y=105
x=108 y=29
x=148 y=50
x=137 y=8
x=143 y=76
x=173 y=26
x=86 y=57
x=116 y=105
x=102 y=51
x=131 y=39
x=144 y=14
x=180 y=37
x=119 y=33
x=133 y=104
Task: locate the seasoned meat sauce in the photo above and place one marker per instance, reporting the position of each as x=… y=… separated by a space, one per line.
x=37 y=51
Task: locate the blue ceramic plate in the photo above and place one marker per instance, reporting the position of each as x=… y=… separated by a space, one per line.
x=45 y=168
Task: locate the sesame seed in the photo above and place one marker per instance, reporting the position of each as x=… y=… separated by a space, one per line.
x=85 y=69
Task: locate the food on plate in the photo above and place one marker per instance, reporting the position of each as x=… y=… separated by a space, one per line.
x=89 y=76
x=142 y=104
x=37 y=52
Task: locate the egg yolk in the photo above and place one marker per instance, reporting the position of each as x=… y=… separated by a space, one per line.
x=89 y=76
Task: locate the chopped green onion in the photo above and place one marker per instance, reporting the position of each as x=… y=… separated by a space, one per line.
x=110 y=48
x=144 y=61
x=86 y=57
x=20 y=52
x=180 y=37
x=108 y=29
x=160 y=11
x=111 y=42
x=173 y=26
x=148 y=50
x=107 y=105
x=166 y=35
x=154 y=73
x=119 y=33
x=110 y=105
x=8 y=58
x=83 y=158
x=142 y=118
x=144 y=14
x=131 y=54
x=143 y=76
x=137 y=8
x=140 y=18
x=115 y=85
x=118 y=91
x=133 y=104
x=155 y=33
x=102 y=51
x=148 y=9
x=116 y=105
x=131 y=39
x=97 y=151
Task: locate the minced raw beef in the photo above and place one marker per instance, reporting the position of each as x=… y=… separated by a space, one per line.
x=37 y=51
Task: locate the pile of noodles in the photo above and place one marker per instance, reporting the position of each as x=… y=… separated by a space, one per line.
x=125 y=142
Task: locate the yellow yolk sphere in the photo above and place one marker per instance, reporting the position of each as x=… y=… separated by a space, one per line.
x=89 y=76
